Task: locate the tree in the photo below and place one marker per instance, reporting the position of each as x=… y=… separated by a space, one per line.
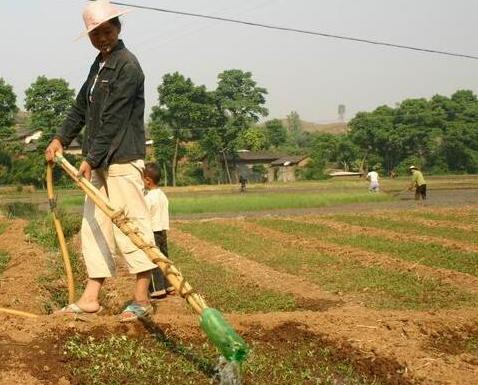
x=347 y=152
x=294 y=123
x=374 y=133
x=276 y=133
x=253 y=138
x=8 y=109
x=241 y=102
x=184 y=111
x=441 y=133
x=48 y=101
x=163 y=147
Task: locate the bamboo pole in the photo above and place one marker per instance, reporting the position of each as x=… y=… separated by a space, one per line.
x=18 y=312
x=119 y=218
x=59 y=231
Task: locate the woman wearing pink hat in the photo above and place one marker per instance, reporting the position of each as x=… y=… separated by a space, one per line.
x=110 y=106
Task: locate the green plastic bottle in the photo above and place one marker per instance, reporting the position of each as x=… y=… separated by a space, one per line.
x=221 y=333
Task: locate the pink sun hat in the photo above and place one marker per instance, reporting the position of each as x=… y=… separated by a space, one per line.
x=97 y=12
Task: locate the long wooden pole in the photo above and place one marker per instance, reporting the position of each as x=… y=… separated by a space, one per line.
x=61 y=236
x=18 y=312
x=119 y=218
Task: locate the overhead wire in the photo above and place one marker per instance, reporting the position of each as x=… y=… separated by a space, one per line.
x=300 y=31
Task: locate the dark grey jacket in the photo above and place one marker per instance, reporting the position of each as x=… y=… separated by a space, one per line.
x=113 y=115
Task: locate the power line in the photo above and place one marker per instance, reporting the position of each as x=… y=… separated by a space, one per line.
x=301 y=31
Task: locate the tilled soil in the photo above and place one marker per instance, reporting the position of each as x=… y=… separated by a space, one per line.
x=397 y=347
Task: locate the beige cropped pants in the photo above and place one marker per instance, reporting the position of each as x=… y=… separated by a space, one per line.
x=101 y=241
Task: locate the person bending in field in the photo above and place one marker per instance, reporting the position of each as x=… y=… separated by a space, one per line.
x=418 y=183
x=372 y=176
x=158 y=205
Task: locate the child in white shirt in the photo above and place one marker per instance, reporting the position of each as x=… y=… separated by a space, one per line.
x=158 y=206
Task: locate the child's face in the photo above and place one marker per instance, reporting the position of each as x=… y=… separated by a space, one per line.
x=148 y=182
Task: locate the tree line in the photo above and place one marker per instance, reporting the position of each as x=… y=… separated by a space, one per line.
x=190 y=125
x=439 y=135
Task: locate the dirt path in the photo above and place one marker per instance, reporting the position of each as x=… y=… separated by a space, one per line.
x=252 y=271
x=19 y=288
x=366 y=258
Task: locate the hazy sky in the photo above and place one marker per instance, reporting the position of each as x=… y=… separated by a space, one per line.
x=311 y=75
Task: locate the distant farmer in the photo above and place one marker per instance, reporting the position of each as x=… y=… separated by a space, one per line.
x=242 y=181
x=418 y=183
x=110 y=106
x=372 y=176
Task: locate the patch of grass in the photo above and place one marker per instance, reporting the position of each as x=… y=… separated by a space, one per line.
x=283 y=359
x=429 y=254
x=25 y=210
x=306 y=362
x=217 y=201
x=72 y=200
x=4 y=260
x=408 y=227
x=3 y=226
x=121 y=360
x=266 y=201
x=468 y=218
x=471 y=345
x=376 y=286
x=226 y=290
x=42 y=231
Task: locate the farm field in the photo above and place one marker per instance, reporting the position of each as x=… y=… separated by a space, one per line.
x=383 y=293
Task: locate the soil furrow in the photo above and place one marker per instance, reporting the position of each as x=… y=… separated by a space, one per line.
x=388 y=234
x=462 y=280
x=249 y=270
x=395 y=346
x=435 y=224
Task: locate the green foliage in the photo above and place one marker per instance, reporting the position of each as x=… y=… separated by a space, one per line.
x=323 y=150
x=24 y=210
x=285 y=355
x=241 y=103
x=31 y=170
x=276 y=133
x=183 y=112
x=293 y=122
x=41 y=229
x=252 y=138
x=215 y=203
x=441 y=134
x=298 y=140
x=4 y=260
x=315 y=169
x=240 y=98
x=48 y=101
x=218 y=120
x=5 y=165
x=8 y=109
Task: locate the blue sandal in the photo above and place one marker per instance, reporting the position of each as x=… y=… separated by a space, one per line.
x=135 y=311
